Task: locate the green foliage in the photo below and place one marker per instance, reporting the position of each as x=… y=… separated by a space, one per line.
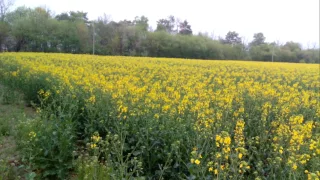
x=9 y=96
x=232 y=38
x=11 y=109
x=261 y=52
x=73 y=16
x=141 y=22
x=4 y=32
x=12 y=98
x=90 y=167
x=166 y=25
x=47 y=145
x=258 y=39
x=36 y=30
x=161 y=44
x=6 y=171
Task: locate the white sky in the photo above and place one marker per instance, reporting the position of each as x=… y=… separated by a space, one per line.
x=279 y=20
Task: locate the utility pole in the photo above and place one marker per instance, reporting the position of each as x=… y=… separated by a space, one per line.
x=93 y=37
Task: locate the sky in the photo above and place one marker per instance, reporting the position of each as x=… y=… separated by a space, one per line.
x=278 y=20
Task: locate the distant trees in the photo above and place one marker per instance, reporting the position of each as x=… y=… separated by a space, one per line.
x=4 y=31
x=30 y=29
x=289 y=52
x=74 y=32
x=185 y=28
x=73 y=16
x=258 y=39
x=232 y=38
x=27 y=29
x=259 y=50
x=37 y=30
x=4 y=7
x=174 y=26
x=141 y=22
x=167 y=25
x=4 y=26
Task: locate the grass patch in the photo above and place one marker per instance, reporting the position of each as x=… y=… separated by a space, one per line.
x=12 y=110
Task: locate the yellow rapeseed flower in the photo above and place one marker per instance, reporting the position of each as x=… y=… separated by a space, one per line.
x=216 y=171
x=93 y=145
x=240 y=155
x=192 y=160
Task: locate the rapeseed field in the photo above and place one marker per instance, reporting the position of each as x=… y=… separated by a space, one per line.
x=110 y=117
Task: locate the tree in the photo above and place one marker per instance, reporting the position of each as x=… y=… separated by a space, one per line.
x=79 y=16
x=163 y=25
x=4 y=27
x=22 y=27
x=73 y=16
x=36 y=29
x=293 y=46
x=261 y=52
x=258 y=39
x=141 y=22
x=105 y=19
x=232 y=38
x=63 y=17
x=77 y=38
x=166 y=25
x=4 y=7
x=185 y=28
x=291 y=52
x=4 y=33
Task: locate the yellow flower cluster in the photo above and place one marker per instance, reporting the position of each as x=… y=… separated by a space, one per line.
x=95 y=139
x=195 y=157
x=312 y=176
x=32 y=134
x=44 y=95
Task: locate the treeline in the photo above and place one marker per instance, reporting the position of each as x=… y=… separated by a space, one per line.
x=37 y=30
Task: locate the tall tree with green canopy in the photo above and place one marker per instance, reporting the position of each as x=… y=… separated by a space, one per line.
x=232 y=38
x=32 y=29
x=73 y=16
x=141 y=22
x=166 y=25
x=258 y=39
x=77 y=34
x=4 y=33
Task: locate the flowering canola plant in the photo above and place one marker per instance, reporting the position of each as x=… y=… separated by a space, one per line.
x=245 y=118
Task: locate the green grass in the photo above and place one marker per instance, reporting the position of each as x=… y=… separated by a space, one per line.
x=12 y=110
